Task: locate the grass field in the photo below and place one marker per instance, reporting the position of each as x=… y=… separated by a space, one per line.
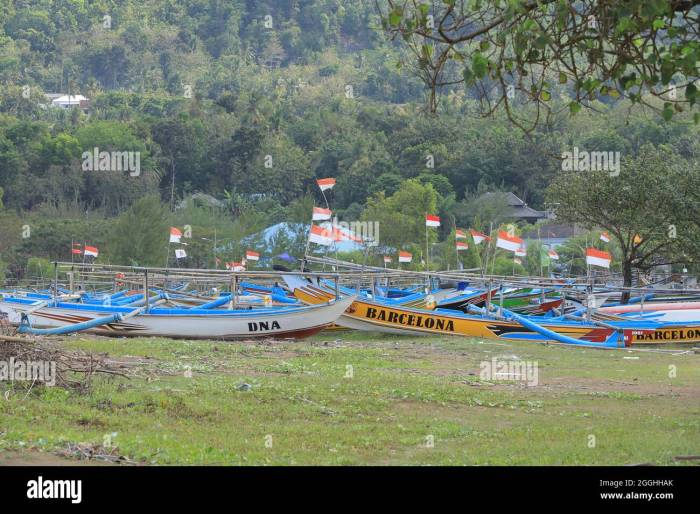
x=359 y=398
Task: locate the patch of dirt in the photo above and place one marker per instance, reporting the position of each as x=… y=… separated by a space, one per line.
x=590 y=385
x=37 y=458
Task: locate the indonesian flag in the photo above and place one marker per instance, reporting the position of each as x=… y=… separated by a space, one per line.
x=180 y=253
x=605 y=237
x=320 y=236
x=405 y=257
x=460 y=234
x=175 y=235
x=252 y=256
x=598 y=258
x=325 y=183
x=339 y=233
x=553 y=255
x=76 y=249
x=461 y=246
x=478 y=237
x=91 y=250
x=432 y=221
x=235 y=266
x=521 y=252
x=387 y=259
x=510 y=243
x=321 y=214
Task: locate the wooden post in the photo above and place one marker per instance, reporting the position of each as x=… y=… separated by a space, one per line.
x=234 y=291
x=145 y=289
x=55 y=283
x=488 y=297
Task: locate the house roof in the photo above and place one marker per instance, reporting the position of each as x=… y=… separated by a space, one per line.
x=202 y=198
x=518 y=208
x=69 y=99
x=553 y=231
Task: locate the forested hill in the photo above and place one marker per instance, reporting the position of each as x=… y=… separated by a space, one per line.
x=250 y=102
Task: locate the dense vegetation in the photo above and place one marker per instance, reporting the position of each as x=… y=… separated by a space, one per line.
x=250 y=102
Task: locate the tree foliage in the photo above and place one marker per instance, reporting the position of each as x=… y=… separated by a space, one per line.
x=578 y=51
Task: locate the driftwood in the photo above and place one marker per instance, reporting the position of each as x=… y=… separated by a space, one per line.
x=74 y=368
x=15 y=339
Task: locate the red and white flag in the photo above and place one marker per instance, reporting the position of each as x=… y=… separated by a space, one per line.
x=325 y=183
x=321 y=214
x=76 y=249
x=461 y=246
x=320 y=236
x=478 y=237
x=405 y=257
x=596 y=257
x=175 y=235
x=605 y=237
x=432 y=221
x=252 y=256
x=235 y=266
x=180 y=253
x=91 y=251
x=553 y=255
x=510 y=243
x=387 y=259
x=460 y=234
x=521 y=252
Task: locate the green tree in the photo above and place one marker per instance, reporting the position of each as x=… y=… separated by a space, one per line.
x=637 y=207
x=401 y=216
x=140 y=235
x=588 y=49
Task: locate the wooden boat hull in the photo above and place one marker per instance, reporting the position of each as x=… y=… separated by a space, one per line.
x=366 y=315
x=296 y=323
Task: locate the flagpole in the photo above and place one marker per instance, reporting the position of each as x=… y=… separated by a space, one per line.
x=215 y=264
x=427 y=253
x=454 y=224
x=308 y=240
x=539 y=241
x=493 y=253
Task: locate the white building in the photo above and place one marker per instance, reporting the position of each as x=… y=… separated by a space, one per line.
x=70 y=101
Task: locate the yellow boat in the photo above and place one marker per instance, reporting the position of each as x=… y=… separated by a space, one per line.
x=372 y=315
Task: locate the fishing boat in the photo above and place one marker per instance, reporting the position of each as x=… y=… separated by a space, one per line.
x=373 y=315
x=659 y=311
x=58 y=317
